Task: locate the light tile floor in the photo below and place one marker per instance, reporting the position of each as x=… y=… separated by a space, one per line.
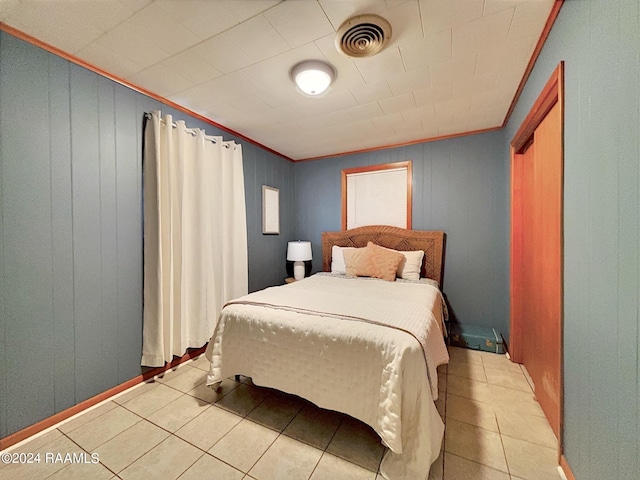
x=175 y=427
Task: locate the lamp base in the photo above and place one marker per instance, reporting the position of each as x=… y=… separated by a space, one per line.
x=289 y=266
x=298 y=270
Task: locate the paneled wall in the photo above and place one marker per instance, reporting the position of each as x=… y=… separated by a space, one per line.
x=459 y=186
x=71 y=231
x=599 y=40
x=267 y=253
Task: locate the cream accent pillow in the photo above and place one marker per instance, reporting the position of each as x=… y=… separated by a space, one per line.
x=337 y=259
x=378 y=262
x=409 y=268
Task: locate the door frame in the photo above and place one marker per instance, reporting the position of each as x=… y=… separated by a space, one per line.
x=552 y=94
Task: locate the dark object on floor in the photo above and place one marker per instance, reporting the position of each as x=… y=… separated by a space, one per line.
x=476 y=338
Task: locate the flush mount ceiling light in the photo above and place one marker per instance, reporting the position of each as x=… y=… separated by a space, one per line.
x=313 y=77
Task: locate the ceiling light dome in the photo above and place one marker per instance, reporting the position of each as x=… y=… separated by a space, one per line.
x=313 y=77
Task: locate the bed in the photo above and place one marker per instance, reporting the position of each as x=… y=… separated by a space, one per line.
x=361 y=346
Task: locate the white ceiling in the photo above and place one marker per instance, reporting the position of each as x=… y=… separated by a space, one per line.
x=452 y=66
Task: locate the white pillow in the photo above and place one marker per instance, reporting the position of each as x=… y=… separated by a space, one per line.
x=337 y=259
x=409 y=268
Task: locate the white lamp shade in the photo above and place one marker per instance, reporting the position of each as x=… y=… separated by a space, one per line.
x=313 y=77
x=299 y=251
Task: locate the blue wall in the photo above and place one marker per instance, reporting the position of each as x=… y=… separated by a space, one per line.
x=459 y=186
x=267 y=253
x=71 y=231
x=599 y=40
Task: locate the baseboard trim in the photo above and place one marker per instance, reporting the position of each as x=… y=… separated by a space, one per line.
x=31 y=430
x=566 y=469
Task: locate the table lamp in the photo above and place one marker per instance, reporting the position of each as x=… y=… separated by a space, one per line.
x=298 y=252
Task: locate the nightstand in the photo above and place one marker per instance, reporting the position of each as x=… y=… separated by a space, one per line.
x=289 y=280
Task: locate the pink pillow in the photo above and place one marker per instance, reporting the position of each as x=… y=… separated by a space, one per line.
x=351 y=260
x=375 y=261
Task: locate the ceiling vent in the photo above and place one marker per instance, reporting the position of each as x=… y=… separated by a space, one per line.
x=363 y=35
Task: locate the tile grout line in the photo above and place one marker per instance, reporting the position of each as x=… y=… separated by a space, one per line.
x=493 y=408
x=246 y=416
x=243 y=418
x=506 y=458
x=84 y=450
x=205 y=452
x=195 y=461
x=171 y=434
x=443 y=447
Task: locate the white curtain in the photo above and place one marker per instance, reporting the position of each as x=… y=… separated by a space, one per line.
x=195 y=236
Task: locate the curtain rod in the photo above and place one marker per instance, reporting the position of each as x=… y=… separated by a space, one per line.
x=192 y=131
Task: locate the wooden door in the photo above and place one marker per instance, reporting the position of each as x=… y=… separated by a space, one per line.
x=536 y=262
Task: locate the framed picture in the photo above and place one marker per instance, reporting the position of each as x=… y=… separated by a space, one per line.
x=270 y=210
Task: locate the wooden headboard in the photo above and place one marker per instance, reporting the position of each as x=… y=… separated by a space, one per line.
x=431 y=242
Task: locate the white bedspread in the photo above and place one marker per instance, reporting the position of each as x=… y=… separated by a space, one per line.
x=335 y=333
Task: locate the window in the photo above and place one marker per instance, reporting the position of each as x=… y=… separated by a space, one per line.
x=377 y=195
